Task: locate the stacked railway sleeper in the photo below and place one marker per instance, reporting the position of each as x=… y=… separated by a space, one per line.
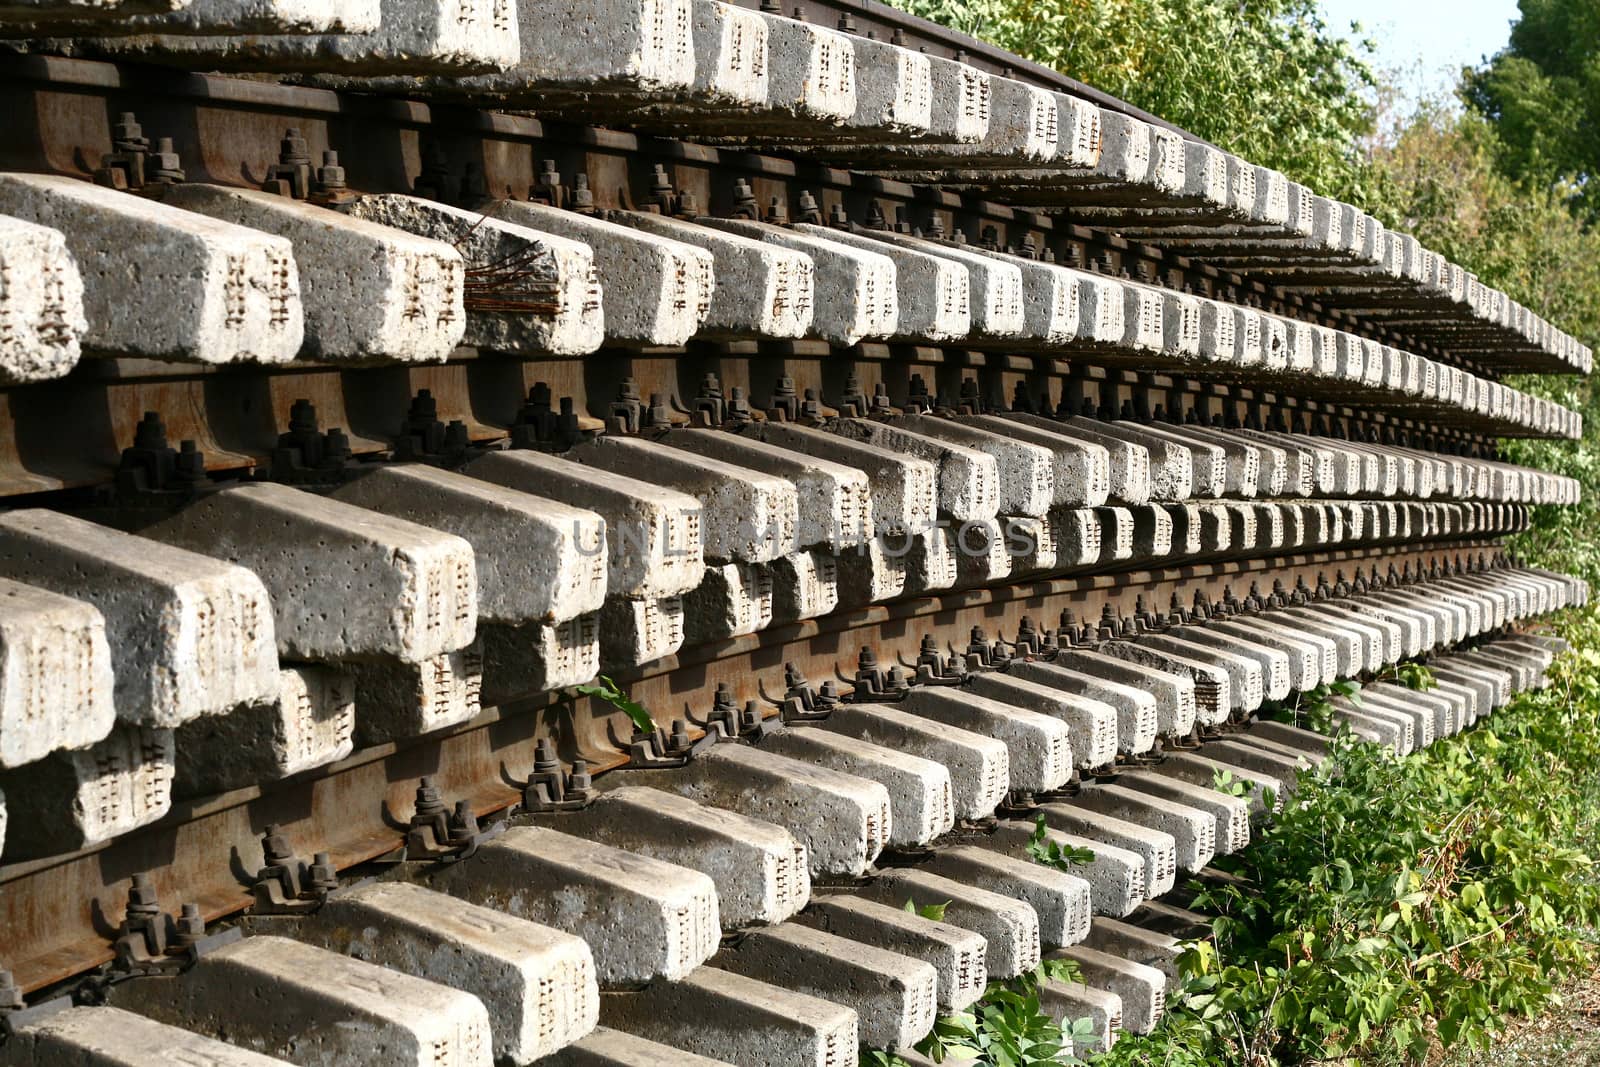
x=564 y=533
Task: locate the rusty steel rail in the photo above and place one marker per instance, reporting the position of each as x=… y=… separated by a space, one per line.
x=234 y=415
x=227 y=131
x=61 y=913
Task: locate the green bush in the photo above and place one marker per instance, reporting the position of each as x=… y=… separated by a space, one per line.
x=1396 y=904
x=1007 y=1028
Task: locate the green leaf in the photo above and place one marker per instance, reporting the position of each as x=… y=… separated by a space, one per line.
x=609 y=692
x=1041 y=849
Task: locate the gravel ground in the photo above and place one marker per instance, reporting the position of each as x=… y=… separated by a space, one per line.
x=1565 y=1036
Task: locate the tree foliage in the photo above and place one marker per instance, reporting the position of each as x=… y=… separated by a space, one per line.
x=1542 y=93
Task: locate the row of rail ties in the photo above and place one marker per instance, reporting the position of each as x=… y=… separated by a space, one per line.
x=614 y=531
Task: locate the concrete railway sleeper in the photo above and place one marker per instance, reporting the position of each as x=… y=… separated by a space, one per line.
x=530 y=533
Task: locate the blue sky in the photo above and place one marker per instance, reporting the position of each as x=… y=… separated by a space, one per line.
x=1427 y=39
